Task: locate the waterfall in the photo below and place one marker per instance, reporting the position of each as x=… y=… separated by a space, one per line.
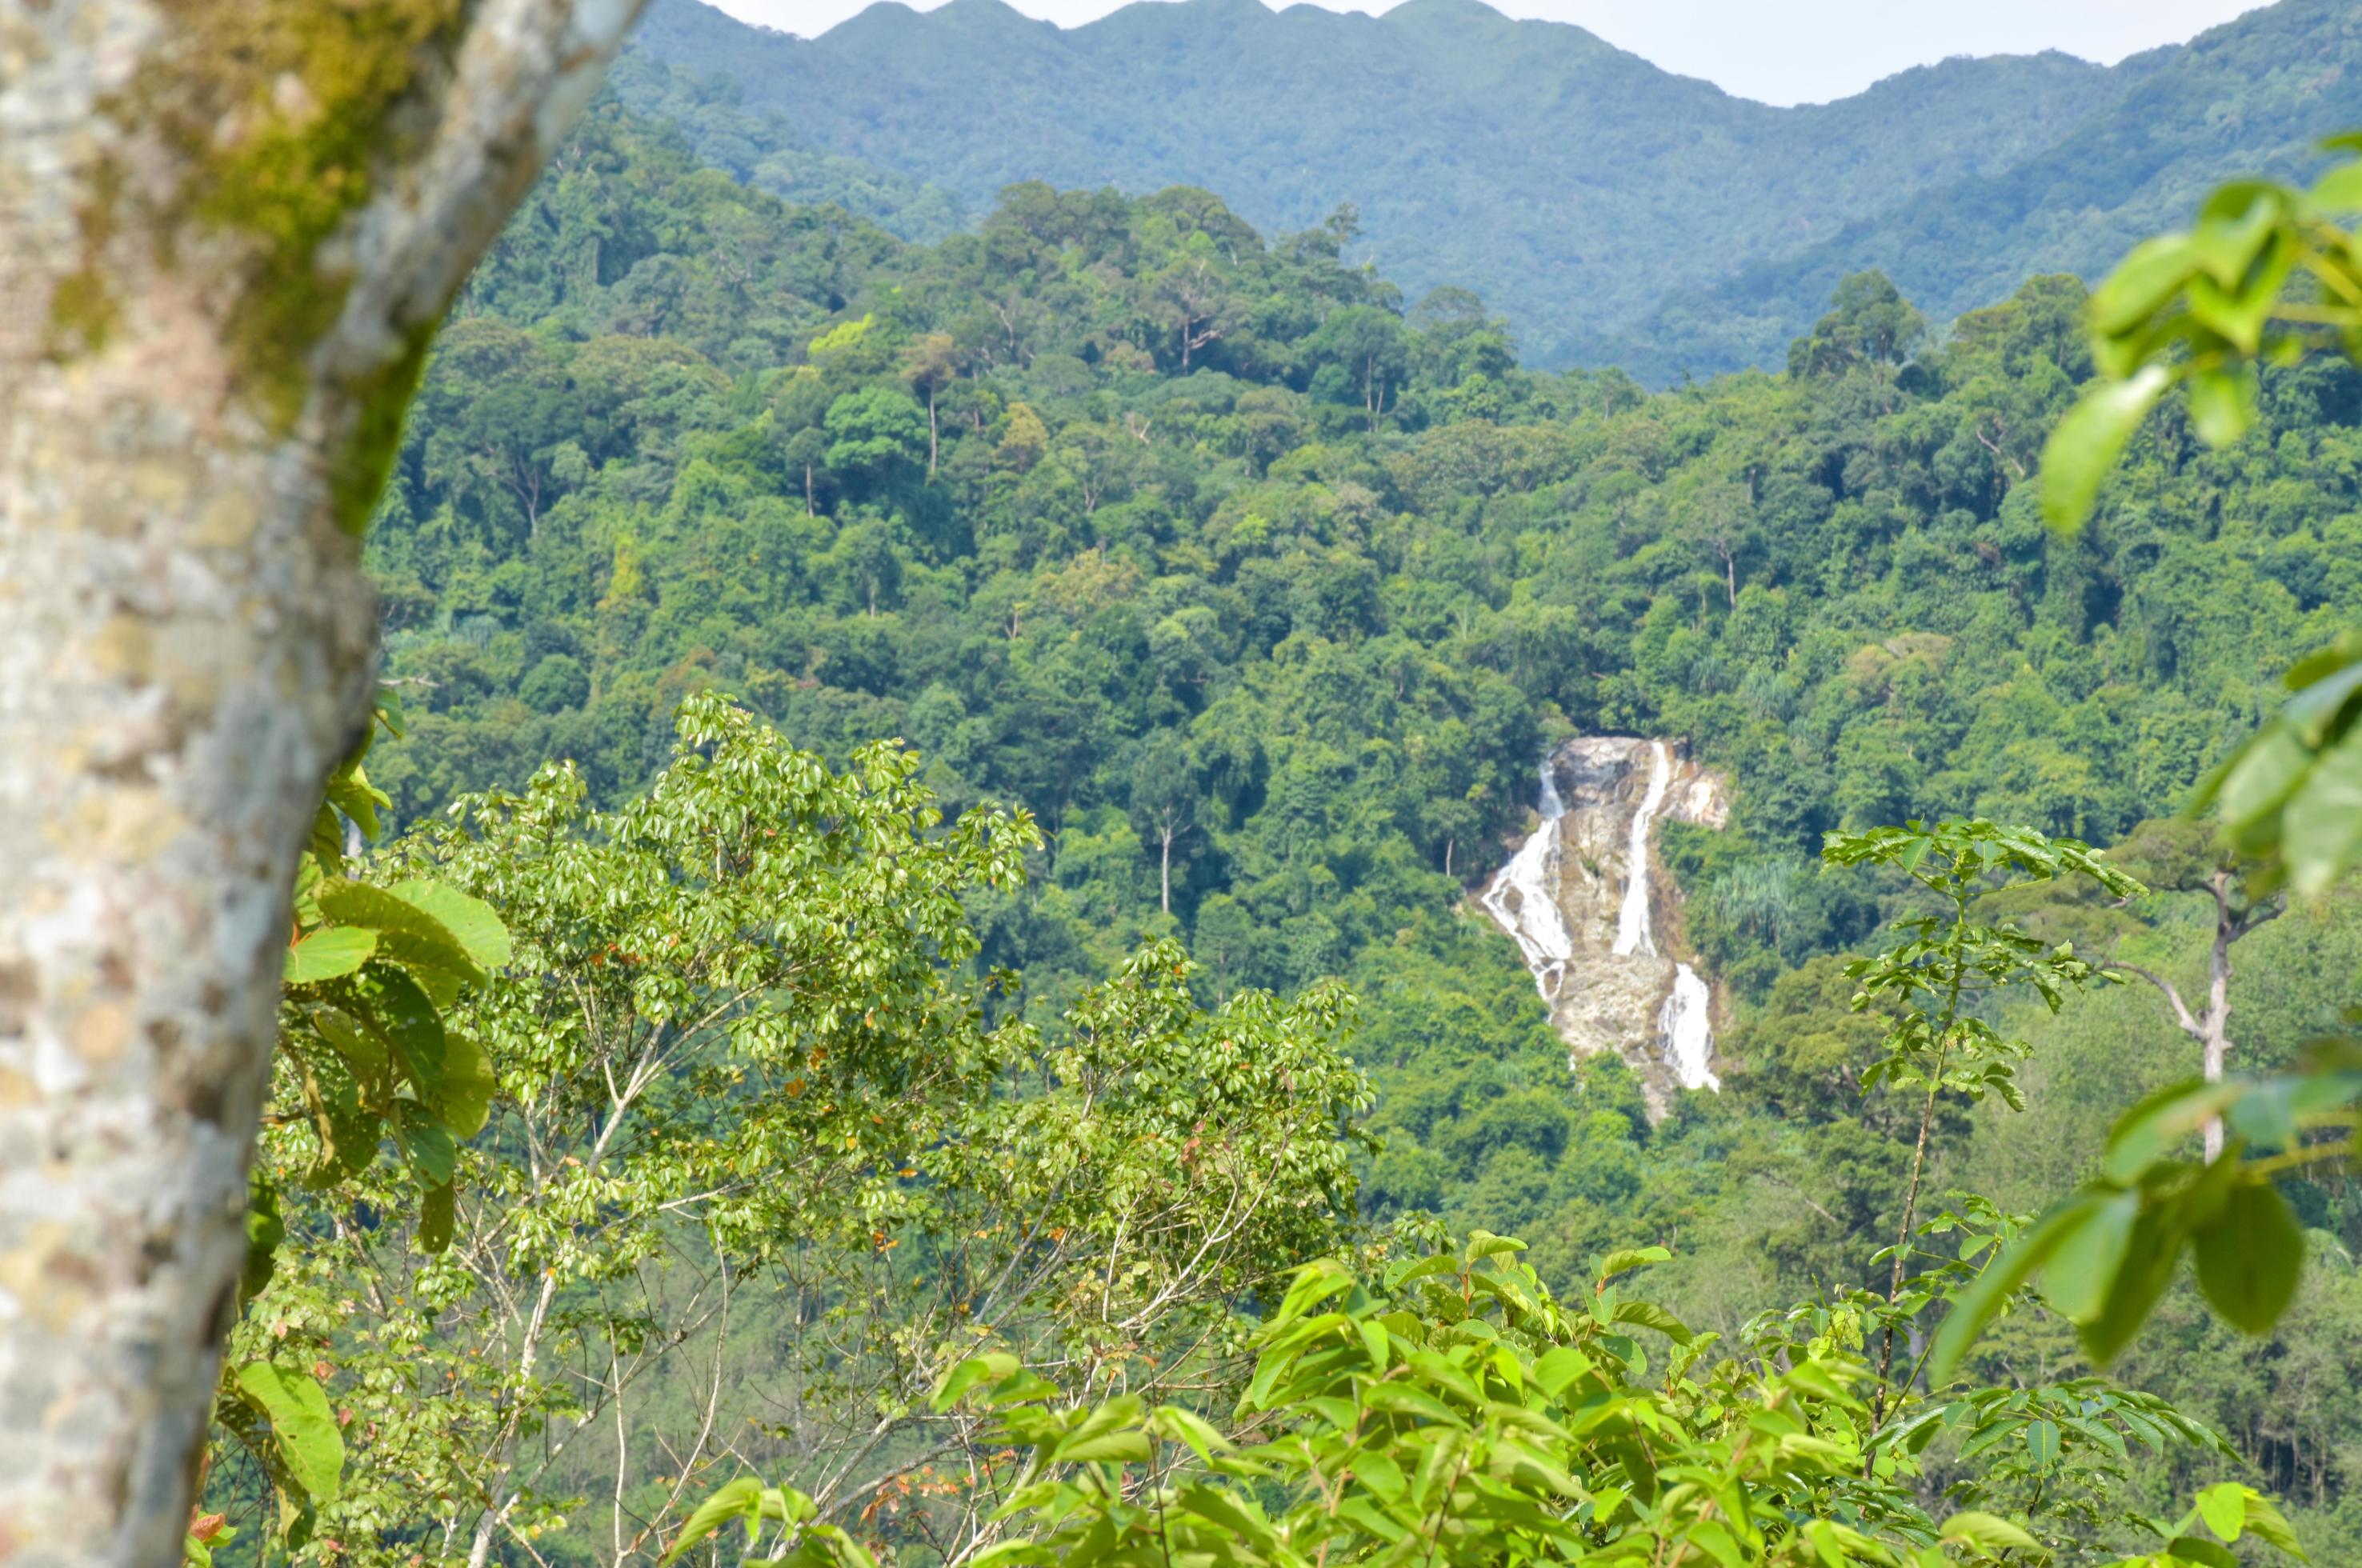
x=1684 y=1033
x=1632 y=930
x=1534 y=922
x=1590 y=943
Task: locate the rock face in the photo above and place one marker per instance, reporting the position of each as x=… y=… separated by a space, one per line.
x=1599 y=924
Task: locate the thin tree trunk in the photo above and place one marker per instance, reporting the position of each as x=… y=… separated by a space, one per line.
x=201 y=382
x=1165 y=874
x=933 y=435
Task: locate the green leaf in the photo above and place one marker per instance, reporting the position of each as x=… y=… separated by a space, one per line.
x=1624 y=1259
x=426 y=1143
x=349 y=790
x=264 y=1230
x=1978 y=1305
x=2151 y=1250
x=405 y=932
x=2224 y=1508
x=2146 y=279
x=734 y=1500
x=2042 y=1441
x=1649 y=1315
x=469 y=1086
x=1986 y=1533
x=2149 y=1131
x=1484 y=1244
x=994 y=1366
x=1173 y=1421
x=2320 y=827
x=2088 y=441
x=365 y=1055
x=2078 y=1275
x=2194 y=1548
x=2335 y=192
x=303 y=1428
x=437 y=1215
x=2267 y=1524
x=326 y=953
x=405 y=1018
x=470 y=920
x=2221 y=405
x=2251 y=1257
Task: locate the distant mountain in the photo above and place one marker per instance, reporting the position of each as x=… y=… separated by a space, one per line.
x=1613 y=211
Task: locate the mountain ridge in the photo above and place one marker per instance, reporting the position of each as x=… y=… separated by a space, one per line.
x=1613 y=211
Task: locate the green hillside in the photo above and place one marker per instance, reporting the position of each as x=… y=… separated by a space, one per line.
x=1616 y=213
x=1265 y=595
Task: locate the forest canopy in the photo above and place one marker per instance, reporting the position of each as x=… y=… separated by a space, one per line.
x=1226 y=599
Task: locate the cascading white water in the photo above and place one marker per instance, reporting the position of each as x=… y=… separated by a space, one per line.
x=1633 y=934
x=1534 y=922
x=1587 y=990
x=1685 y=1032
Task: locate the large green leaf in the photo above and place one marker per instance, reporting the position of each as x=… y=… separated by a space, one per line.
x=469 y=1086
x=1986 y=1533
x=2250 y=1256
x=303 y=1428
x=1976 y=1306
x=426 y=1143
x=2321 y=830
x=405 y=1019
x=739 y=1500
x=2078 y=1275
x=327 y=954
x=405 y=931
x=470 y=920
x=2152 y=1249
x=437 y=1215
x=2089 y=439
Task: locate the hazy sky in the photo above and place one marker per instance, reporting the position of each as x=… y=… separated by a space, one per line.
x=1800 y=51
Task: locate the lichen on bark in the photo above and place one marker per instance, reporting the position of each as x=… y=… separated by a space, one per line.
x=286 y=114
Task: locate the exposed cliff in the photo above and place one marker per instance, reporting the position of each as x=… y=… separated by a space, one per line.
x=1598 y=921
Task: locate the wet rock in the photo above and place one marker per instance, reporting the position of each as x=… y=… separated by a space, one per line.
x=1599 y=923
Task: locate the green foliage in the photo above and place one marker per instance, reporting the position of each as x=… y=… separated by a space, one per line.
x=2291 y=796
x=1451 y=1409
x=747 y=1086
x=2265 y=275
x=363 y=1057
x=1442 y=1406
x=1265 y=592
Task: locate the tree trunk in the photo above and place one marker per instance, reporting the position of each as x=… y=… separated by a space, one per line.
x=934 y=436
x=2214 y=1043
x=227 y=228
x=1165 y=872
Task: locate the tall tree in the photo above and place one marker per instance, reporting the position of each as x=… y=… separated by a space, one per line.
x=2179 y=855
x=227 y=229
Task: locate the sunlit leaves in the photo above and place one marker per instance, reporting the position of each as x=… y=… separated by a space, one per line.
x=307 y=1451
x=2265 y=275
x=2292 y=796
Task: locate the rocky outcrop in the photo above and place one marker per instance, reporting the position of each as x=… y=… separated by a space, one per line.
x=1597 y=920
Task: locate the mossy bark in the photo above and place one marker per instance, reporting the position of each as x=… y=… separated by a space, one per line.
x=227 y=228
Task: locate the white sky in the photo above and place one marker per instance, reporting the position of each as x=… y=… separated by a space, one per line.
x=1800 y=51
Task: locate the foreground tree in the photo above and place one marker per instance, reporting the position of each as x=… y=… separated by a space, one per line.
x=734 y=1165
x=226 y=233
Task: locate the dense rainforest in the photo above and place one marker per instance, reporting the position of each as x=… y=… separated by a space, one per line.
x=1264 y=587
x=1618 y=213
